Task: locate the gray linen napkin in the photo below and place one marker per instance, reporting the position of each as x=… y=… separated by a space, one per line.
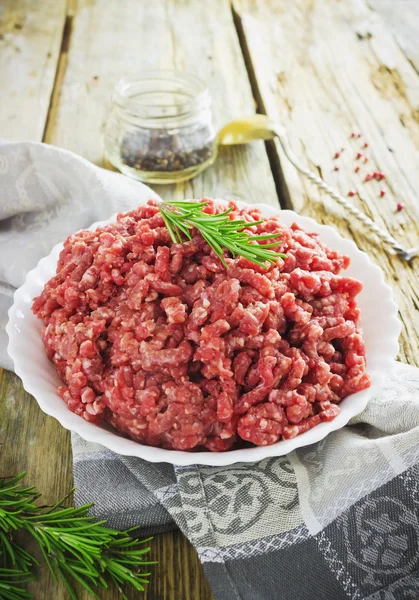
x=335 y=520
x=338 y=519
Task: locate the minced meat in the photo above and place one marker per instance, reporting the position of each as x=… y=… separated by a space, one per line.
x=174 y=350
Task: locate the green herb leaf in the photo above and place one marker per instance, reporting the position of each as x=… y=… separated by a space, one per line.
x=220 y=232
x=75 y=547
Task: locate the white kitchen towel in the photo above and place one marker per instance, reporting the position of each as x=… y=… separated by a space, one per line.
x=46 y=193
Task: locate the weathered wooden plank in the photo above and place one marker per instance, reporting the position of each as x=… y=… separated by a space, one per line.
x=32 y=442
x=30 y=40
x=112 y=39
x=402 y=19
x=319 y=73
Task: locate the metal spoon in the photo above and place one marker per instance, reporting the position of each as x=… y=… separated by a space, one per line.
x=260 y=127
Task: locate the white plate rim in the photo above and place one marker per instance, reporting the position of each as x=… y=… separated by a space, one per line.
x=35 y=385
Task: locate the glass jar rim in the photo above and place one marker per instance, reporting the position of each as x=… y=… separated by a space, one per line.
x=132 y=94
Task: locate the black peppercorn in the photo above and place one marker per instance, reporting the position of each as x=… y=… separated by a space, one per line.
x=159 y=129
x=162 y=150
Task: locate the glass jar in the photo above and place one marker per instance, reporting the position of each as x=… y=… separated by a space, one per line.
x=160 y=128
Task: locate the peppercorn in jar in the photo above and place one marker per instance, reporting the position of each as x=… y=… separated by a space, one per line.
x=160 y=127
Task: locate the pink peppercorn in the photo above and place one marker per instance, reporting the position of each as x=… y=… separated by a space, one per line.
x=365 y=145
x=365 y=159
x=357 y=169
x=351 y=193
x=400 y=206
x=382 y=193
x=336 y=168
x=369 y=177
x=337 y=155
x=359 y=155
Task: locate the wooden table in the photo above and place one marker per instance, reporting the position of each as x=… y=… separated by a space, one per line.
x=323 y=68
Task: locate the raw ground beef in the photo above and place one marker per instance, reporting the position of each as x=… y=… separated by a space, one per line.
x=174 y=350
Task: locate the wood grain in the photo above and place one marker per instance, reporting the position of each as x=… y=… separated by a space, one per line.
x=325 y=69
x=402 y=19
x=110 y=40
x=30 y=40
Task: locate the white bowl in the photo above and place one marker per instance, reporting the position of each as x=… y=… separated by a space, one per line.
x=378 y=318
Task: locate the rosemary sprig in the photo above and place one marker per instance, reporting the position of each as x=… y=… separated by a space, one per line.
x=219 y=231
x=75 y=547
x=10 y=582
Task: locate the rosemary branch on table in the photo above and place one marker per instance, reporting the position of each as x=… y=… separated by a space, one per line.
x=219 y=231
x=75 y=547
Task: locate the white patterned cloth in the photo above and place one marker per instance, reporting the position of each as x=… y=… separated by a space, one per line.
x=335 y=520
x=46 y=194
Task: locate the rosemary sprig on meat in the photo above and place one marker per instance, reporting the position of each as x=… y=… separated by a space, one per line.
x=75 y=547
x=220 y=232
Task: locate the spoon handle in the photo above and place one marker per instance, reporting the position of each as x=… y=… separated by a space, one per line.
x=407 y=254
